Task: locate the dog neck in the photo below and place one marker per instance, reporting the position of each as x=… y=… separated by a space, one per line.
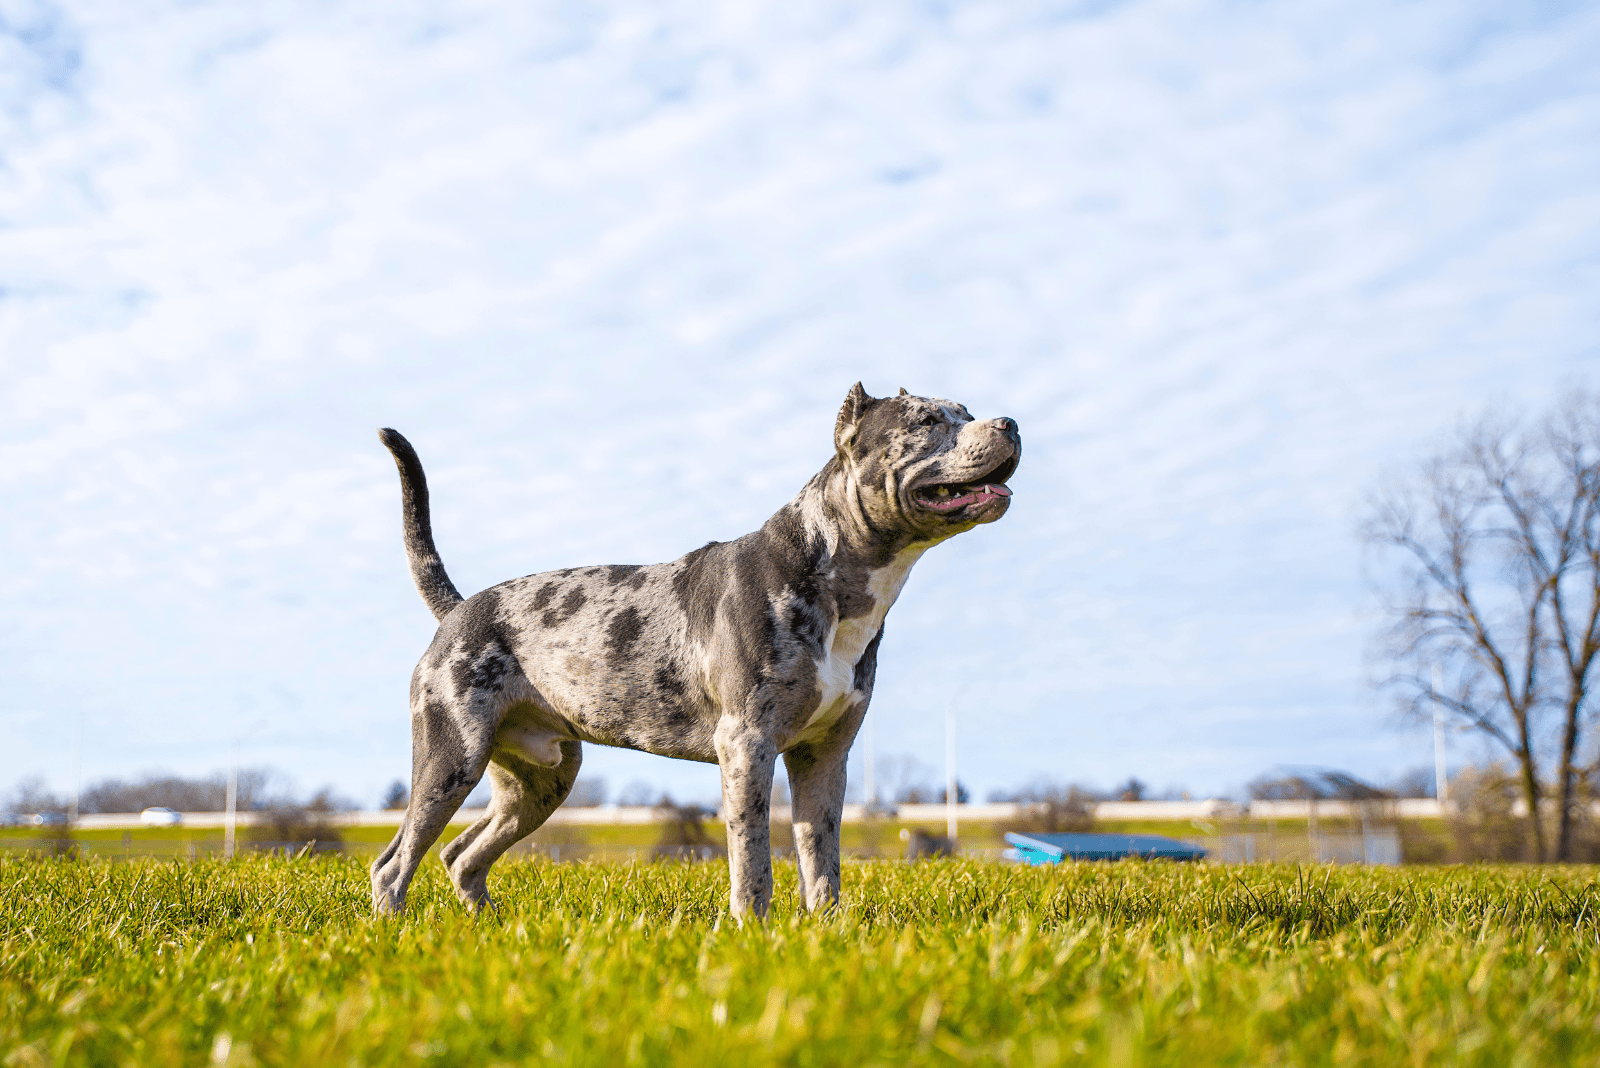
x=836 y=523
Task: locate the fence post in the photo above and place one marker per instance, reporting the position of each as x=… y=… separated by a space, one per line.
x=1311 y=833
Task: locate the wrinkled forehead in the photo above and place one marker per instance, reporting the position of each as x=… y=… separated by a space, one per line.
x=901 y=427
x=956 y=413
x=911 y=410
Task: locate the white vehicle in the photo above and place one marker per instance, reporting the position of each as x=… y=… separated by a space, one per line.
x=160 y=817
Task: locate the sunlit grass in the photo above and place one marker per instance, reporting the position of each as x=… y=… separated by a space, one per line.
x=279 y=962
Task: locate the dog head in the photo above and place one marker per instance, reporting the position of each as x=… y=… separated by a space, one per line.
x=924 y=467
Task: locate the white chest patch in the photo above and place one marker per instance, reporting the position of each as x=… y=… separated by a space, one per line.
x=850 y=638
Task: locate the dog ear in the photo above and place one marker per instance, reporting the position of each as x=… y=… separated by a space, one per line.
x=903 y=392
x=855 y=406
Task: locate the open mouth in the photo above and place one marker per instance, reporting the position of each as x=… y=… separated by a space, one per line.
x=950 y=496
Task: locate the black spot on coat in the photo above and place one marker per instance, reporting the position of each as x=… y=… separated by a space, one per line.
x=624 y=630
x=629 y=575
x=667 y=681
x=696 y=592
x=574 y=600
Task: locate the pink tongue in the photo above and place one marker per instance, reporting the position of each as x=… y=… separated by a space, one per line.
x=989 y=493
x=981 y=495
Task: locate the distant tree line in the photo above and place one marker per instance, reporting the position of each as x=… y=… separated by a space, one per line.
x=163 y=790
x=280 y=820
x=175 y=792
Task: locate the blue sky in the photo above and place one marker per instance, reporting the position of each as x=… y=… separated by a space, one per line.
x=613 y=267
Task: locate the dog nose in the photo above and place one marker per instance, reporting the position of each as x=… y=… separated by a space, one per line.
x=1008 y=427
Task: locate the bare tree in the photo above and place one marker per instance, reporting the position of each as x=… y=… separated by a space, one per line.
x=33 y=795
x=1132 y=790
x=1496 y=582
x=906 y=780
x=396 y=797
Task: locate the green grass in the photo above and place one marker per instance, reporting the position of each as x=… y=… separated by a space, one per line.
x=278 y=962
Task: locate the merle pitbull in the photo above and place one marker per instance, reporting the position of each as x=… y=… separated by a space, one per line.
x=735 y=654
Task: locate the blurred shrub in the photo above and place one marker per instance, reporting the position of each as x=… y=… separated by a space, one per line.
x=683 y=835
x=290 y=826
x=925 y=845
x=1425 y=843
x=1484 y=824
x=1049 y=807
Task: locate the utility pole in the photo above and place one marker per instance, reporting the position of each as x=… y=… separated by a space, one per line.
x=230 y=822
x=1441 y=787
x=872 y=759
x=950 y=773
x=77 y=773
x=1311 y=831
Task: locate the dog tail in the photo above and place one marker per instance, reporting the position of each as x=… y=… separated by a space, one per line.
x=427 y=570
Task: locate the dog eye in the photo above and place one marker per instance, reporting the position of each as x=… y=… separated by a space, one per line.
x=928 y=420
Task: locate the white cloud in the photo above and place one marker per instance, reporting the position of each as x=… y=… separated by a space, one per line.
x=613 y=268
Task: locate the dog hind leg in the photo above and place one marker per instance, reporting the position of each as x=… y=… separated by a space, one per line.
x=524 y=796
x=447 y=765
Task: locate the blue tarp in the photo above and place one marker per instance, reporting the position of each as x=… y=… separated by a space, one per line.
x=1052 y=848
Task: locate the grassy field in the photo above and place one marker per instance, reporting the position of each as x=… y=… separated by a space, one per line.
x=273 y=961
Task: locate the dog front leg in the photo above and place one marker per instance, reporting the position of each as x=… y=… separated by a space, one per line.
x=747 y=759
